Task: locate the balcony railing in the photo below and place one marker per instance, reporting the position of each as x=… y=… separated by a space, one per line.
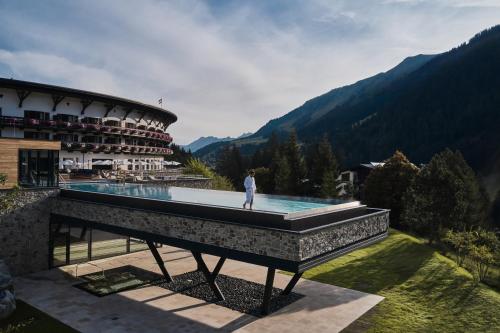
x=82 y=127
x=114 y=148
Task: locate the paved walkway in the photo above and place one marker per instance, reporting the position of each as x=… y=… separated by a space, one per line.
x=325 y=308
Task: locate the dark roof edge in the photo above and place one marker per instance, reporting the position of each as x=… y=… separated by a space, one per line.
x=77 y=93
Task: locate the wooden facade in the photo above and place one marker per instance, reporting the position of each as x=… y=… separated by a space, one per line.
x=9 y=156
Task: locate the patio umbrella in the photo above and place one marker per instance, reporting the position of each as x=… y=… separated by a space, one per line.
x=68 y=162
x=107 y=162
x=99 y=162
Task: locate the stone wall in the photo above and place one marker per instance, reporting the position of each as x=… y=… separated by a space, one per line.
x=327 y=239
x=275 y=243
x=24 y=231
x=236 y=237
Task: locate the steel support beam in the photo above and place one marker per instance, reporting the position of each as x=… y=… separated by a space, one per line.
x=218 y=267
x=289 y=287
x=159 y=261
x=268 y=291
x=208 y=276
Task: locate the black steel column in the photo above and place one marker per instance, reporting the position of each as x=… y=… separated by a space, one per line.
x=268 y=291
x=208 y=276
x=159 y=261
x=291 y=284
x=218 y=267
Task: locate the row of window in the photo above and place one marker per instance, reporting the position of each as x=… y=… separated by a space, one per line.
x=36 y=135
x=39 y=115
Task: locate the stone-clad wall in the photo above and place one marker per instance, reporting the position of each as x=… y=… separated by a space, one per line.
x=259 y=241
x=274 y=243
x=328 y=239
x=24 y=231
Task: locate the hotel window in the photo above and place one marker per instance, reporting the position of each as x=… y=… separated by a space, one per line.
x=36 y=135
x=112 y=141
x=67 y=118
x=113 y=123
x=36 y=115
x=91 y=120
x=66 y=137
x=38 y=168
x=92 y=139
x=129 y=125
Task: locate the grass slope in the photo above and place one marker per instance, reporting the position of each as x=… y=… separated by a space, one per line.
x=424 y=291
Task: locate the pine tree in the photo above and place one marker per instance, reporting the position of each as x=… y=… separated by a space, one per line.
x=386 y=185
x=282 y=176
x=296 y=165
x=323 y=164
x=445 y=195
x=495 y=211
x=230 y=165
x=329 y=185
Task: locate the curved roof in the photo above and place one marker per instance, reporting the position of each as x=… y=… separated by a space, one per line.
x=89 y=96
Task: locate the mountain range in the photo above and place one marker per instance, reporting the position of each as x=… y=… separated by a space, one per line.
x=423 y=105
x=207 y=140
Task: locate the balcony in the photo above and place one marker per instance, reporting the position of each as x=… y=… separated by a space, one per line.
x=83 y=127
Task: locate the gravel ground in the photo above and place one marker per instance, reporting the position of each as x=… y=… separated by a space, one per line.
x=241 y=295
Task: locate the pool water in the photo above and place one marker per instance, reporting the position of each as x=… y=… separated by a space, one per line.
x=263 y=202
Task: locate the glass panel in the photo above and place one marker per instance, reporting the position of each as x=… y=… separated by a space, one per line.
x=43 y=168
x=38 y=167
x=105 y=244
x=79 y=245
x=23 y=167
x=60 y=234
x=137 y=245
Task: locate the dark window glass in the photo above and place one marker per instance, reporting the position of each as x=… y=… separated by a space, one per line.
x=38 y=168
x=36 y=135
x=112 y=123
x=66 y=118
x=36 y=115
x=91 y=120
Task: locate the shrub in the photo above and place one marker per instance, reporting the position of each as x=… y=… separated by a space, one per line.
x=3 y=179
x=385 y=186
x=483 y=259
x=460 y=243
x=444 y=195
x=197 y=167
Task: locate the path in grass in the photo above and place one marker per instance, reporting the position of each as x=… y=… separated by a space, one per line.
x=425 y=291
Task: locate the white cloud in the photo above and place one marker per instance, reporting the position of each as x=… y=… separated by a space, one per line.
x=228 y=69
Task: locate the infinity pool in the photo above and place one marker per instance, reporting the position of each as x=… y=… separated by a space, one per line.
x=262 y=202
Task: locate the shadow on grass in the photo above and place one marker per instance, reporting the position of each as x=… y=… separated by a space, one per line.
x=391 y=266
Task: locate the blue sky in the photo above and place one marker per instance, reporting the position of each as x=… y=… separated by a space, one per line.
x=225 y=67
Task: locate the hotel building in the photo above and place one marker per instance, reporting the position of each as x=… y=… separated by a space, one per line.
x=93 y=129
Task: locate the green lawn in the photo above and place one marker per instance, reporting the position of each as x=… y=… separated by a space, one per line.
x=424 y=290
x=27 y=319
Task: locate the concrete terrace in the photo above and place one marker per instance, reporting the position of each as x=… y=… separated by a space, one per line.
x=325 y=308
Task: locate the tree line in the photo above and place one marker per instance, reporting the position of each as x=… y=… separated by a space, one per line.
x=444 y=202
x=284 y=167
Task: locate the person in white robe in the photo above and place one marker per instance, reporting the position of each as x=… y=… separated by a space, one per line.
x=250 y=188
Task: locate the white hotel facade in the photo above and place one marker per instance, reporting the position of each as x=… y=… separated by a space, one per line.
x=94 y=129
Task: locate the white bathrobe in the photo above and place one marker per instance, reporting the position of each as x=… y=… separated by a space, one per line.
x=250 y=189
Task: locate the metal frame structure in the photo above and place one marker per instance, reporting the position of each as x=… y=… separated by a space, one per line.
x=197 y=249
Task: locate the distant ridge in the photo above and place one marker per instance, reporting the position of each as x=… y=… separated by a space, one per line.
x=421 y=106
x=207 y=140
